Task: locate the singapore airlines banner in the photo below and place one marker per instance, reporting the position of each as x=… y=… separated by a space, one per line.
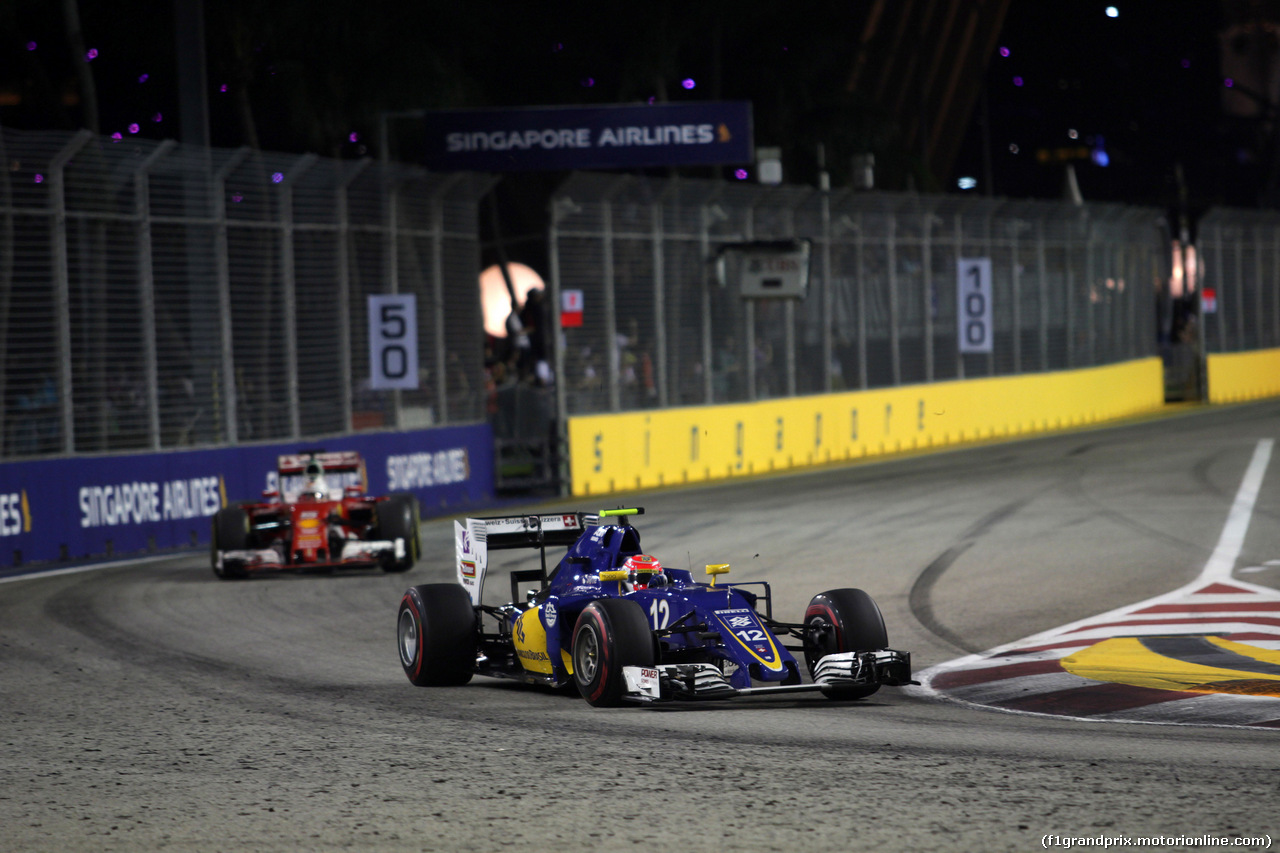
x=55 y=511
x=605 y=137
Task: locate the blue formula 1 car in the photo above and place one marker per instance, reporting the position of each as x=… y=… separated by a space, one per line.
x=623 y=628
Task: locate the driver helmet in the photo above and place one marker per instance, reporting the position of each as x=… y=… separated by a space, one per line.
x=313 y=475
x=644 y=571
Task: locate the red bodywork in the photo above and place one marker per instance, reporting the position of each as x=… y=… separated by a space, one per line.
x=321 y=523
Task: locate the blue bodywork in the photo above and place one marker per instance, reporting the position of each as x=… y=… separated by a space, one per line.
x=693 y=622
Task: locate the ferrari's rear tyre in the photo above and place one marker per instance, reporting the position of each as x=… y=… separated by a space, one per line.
x=610 y=633
x=436 y=634
x=398 y=519
x=230 y=533
x=843 y=620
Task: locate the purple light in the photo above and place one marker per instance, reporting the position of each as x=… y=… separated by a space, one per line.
x=588 y=82
x=157 y=118
x=117 y=136
x=133 y=128
x=557 y=47
x=1017 y=81
x=688 y=83
x=277 y=177
x=1004 y=51
x=144 y=78
x=91 y=55
x=236 y=198
x=1186 y=63
x=651 y=100
x=1228 y=82
x=741 y=174
x=222 y=88
x=39 y=178
x=354 y=137
x=1100 y=157
x=31 y=45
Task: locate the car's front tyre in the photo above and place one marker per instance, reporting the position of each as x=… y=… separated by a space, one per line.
x=230 y=533
x=610 y=633
x=398 y=518
x=436 y=635
x=843 y=620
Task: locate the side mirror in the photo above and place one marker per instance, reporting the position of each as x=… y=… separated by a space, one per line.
x=714 y=569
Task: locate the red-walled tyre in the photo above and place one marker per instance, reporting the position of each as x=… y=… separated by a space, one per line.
x=436 y=635
x=610 y=633
x=843 y=620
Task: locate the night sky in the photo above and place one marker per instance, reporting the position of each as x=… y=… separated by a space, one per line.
x=1141 y=90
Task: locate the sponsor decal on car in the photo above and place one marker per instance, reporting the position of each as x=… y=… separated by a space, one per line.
x=549 y=614
x=469 y=568
x=750 y=635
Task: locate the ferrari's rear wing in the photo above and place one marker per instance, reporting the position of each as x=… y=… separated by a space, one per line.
x=343 y=469
x=478 y=536
x=337 y=461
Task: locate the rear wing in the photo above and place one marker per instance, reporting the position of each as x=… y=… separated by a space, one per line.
x=333 y=462
x=474 y=539
x=343 y=469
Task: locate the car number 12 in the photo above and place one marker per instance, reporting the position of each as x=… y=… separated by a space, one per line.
x=659 y=613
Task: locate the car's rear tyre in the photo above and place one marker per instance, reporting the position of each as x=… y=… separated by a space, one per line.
x=610 y=633
x=230 y=533
x=436 y=635
x=398 y=518
x=843 y=620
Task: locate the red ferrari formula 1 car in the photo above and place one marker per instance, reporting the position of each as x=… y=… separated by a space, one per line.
x=318 y=517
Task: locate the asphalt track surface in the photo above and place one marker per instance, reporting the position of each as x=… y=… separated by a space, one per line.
x=149 y=706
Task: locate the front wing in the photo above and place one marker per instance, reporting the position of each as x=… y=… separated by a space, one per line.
x=356 y=553
x=668 y=682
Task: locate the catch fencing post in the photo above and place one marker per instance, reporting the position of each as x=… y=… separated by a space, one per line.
x=146 y=290
x=222 y=263
x=1043 y=273
x=343 y=216
x=828 y=296
x=62 y=284
x=288 y=281
x=859 y=250
x=437 y=293
x=891 y=247
x=926 y=280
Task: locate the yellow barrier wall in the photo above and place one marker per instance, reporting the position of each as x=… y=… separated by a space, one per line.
x=1238 y=376
x=659 y=447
